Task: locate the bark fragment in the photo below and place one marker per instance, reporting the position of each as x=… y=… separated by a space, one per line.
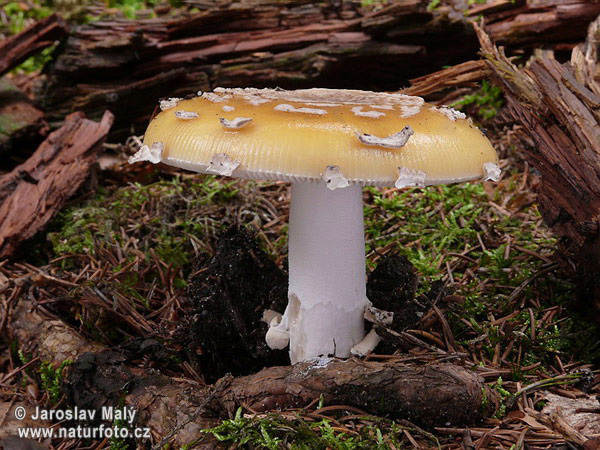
x=34 y=191
x=421 y=394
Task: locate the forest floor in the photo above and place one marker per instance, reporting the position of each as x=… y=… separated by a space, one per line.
x=116 y=264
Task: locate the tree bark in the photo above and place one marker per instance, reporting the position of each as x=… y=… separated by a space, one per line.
x=16 y=49
x=34 y=191
x=127 y=65
x=558 y=108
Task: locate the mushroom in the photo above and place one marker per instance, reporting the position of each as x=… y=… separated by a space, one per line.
x=328 y=143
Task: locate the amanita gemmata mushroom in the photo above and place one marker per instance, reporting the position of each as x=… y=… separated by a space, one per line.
x=328 y=144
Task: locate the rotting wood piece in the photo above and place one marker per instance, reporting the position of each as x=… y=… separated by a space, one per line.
x=125 y=65
x=34 y=191
x=559 y=110
x=16 y=49
x=286 y=43
x=428 y=395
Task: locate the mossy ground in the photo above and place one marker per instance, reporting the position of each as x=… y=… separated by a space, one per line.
x=511 y=310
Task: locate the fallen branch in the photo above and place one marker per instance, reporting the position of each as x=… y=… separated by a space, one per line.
x=33 y=192
x=16 y=49
x=429 y=395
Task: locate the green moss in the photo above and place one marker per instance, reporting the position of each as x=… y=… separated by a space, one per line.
x=52 y=379
x=432 y=226
x=160 y=216
x=36 y=62
x=19 y=14
x=428 y=223
x=487 y=101
x=433 y=5
x=371 y=3
x=9 y=125
x=276 y=432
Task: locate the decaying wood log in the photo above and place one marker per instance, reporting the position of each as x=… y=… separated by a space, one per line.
x=21 y=123
x=558 y=108
x=556 y=24
x=126 y=65
x=16 y=49
x=34 y=191
x=428 y=395
x=425 y=395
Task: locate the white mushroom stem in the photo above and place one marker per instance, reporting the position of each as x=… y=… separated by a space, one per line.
x=327 y=286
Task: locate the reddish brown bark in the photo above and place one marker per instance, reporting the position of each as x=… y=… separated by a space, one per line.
x=430 y=395
x=555 y=24
x=459 y=75
x=33 y=192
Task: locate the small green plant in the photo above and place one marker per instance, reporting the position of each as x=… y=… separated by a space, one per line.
x=22 y=356
x=370 y=3
x=117 y=442
x=433 y=4
x=36 y=62
x=504 y=395
x=488 y=100
x=21 y=13
x=132 y=8
x=52 y=379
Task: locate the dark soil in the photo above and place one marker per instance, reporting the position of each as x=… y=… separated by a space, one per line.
x=222 y=331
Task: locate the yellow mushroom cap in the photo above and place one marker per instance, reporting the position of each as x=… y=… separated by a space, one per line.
x=343 y=136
